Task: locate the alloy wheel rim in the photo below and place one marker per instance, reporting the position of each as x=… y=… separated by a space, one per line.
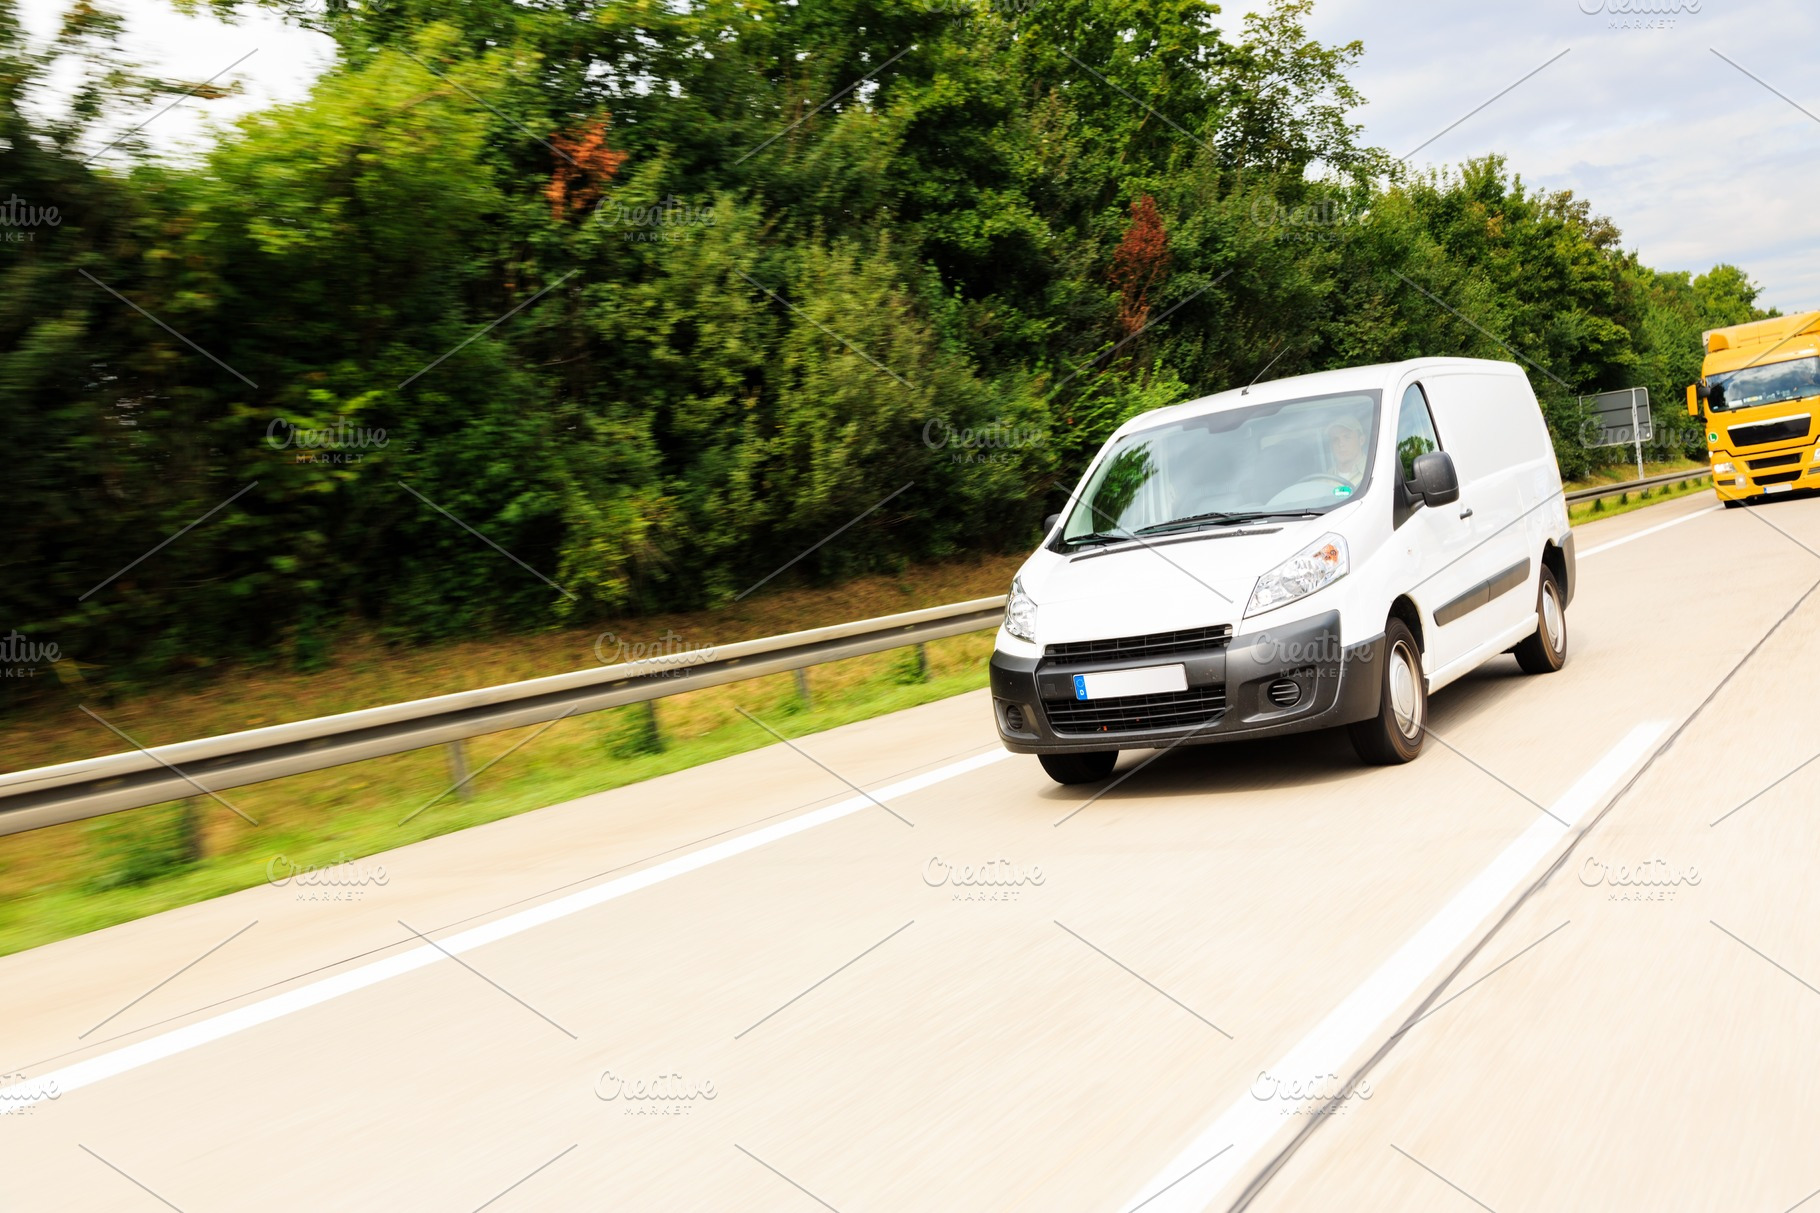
x=1551 y=618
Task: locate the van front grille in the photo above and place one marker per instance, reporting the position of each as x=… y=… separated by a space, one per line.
x=1157 y=644
x=1136 y=713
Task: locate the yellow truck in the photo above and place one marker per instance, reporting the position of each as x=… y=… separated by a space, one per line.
x=1759 y=389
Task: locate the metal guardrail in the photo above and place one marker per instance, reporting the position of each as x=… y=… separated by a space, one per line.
x=1612 y=490
x=93 y=787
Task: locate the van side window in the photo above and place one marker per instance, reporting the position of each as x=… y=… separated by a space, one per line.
x=1415 y=431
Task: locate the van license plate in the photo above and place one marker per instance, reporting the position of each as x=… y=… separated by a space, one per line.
x=1115 y=684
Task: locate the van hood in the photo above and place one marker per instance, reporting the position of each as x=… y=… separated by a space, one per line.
x=1174 y=582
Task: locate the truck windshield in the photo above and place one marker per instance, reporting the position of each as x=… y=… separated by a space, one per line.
x=1259 y=461
x=1770 y=383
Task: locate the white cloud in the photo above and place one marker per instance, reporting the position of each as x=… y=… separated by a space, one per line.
x=1696 y=162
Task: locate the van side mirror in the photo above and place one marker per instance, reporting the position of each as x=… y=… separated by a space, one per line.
x=1049 y=523
x=1436 y=481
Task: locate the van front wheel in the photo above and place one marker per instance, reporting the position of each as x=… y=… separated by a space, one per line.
x=1394 y=735
x=1088 y=767
x=1546 y=650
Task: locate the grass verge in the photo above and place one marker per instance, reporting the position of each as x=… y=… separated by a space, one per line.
x=1624 y=503
x=129 y=865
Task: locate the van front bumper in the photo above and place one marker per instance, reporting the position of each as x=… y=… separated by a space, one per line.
x=1228 y=696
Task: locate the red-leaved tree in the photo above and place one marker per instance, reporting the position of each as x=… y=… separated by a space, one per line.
x=584 y=164
x=1139 y=264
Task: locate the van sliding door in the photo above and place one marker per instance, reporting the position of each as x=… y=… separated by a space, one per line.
x=1487 y=420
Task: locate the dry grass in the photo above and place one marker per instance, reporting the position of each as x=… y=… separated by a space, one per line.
x=357 y=809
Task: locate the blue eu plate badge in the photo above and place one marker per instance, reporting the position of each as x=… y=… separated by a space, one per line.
x=1080 y=686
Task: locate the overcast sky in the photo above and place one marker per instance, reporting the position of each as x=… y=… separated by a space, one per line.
x=1696 y=161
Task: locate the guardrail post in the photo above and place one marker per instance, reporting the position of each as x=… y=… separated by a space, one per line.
x=913 y=666
x=802 y=686
x=458 y=770
x=190 y=828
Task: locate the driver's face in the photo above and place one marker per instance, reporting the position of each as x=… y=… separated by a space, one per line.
x=1344 y=442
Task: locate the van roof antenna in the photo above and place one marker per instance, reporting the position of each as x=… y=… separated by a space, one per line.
x=1246 y=390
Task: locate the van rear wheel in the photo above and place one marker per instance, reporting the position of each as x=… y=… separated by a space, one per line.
x=1394 y=735
x=1546 y=650
x=1090 y=766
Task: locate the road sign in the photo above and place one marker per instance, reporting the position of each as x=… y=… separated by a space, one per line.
x=1618 y=418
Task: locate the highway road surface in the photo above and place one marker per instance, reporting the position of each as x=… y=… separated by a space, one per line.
x=1569 y=959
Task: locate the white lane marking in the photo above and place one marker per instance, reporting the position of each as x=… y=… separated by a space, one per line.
x=1250 y=1123
x=1660 y=526
x=179 y=1040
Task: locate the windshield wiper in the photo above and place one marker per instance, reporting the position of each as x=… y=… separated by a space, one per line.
x=1209 y=516
x=1224 y=517
x=1081 y=541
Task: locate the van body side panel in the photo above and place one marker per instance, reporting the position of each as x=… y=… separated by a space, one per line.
x=1493 y=428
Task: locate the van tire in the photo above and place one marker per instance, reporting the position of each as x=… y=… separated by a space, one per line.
x=1545 y=651
x=1395 y=734
x=1088 y=766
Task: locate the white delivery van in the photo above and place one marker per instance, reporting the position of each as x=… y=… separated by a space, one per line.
x=1317 y=551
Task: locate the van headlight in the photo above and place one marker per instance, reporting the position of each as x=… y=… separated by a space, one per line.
x=1020 y=612
x=1320 y=564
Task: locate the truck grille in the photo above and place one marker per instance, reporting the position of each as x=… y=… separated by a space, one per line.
x=1777 y=461
x=1135 y=713
x=1190 y=640
x=1779 y=430
x=1778 y=477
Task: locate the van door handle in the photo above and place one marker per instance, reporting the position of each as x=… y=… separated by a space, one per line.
x=1466 y=513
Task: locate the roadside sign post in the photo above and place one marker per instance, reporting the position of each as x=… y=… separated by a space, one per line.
x=1637 y=428
x=1623 y=419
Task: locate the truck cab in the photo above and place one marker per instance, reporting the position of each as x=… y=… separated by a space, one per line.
x=1758 y=393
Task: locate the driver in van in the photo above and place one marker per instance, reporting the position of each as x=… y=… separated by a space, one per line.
x=1346 y=450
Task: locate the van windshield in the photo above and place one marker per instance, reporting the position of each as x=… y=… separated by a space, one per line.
x=1289 y=458
x=1771 y=383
